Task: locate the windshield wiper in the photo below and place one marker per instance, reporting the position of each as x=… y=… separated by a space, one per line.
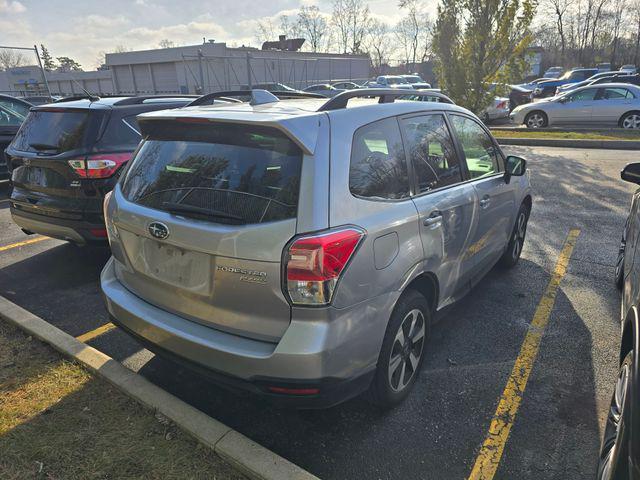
x=44 y=146
x=182 y=208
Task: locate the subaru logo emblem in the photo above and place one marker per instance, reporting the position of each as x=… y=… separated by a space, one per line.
x=158 y=230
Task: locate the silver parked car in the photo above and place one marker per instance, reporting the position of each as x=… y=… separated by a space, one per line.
x=301 y=249
x=599 y=104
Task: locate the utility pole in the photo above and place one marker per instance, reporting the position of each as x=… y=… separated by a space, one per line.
x=201 y=92
x=44 y=75
x=249 y=72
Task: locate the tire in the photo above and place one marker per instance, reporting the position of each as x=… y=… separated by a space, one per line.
x=512 y=254
x=614 y=453
x=402 y=351
x=630 y=121
x=536 y=119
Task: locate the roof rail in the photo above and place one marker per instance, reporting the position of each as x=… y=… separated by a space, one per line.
x=77 y=97
x=209 y=98
x=138 y=99
x=385 y=95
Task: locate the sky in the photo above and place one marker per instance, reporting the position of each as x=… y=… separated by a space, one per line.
x=82 y=29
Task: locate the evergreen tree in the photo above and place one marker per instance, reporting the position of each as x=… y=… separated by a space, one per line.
x=47 y=59
x=479 y=42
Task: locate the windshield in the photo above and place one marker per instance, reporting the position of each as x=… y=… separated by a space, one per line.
x=566 y=76
x=10 y=118
x=413 y=79
x=224 y=173
x=396 y=80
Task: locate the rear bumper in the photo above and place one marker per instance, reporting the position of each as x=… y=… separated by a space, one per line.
x=313 y=353
x=76 y=231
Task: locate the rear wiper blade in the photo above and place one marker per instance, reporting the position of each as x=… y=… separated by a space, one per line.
x=44 y=146
x=182 y=208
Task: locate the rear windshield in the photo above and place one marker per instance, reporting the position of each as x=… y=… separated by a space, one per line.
x=57 y=131
x=223 y=173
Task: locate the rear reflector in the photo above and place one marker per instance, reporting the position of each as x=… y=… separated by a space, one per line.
x=99 y=166
x=294 y=391
x=99 y=232
x=315 y=264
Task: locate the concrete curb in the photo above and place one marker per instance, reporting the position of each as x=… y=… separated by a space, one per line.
x=571 y=143
x=251 y=459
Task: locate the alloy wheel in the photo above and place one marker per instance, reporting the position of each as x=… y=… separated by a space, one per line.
x=406 y=350
x=631 y=121
x=518 y=235
x=612 y=445
x=536 y=120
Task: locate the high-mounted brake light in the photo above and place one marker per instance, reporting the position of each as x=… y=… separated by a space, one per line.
x=99 y=166
x=315 y=263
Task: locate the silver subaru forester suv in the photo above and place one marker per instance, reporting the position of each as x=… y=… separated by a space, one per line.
x=300 y=248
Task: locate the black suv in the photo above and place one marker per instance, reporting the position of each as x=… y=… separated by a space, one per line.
x=68 y=155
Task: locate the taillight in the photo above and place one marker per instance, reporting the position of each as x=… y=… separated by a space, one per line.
x=502 y=105
x=315 y=263
x=99 y=166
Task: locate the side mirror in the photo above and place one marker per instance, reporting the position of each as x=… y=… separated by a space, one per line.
x=515 y=166
x=631 y=173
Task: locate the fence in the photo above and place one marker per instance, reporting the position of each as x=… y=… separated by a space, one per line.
x=21 y=72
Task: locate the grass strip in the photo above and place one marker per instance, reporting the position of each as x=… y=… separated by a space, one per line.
x=57 y=421
x=622 y=135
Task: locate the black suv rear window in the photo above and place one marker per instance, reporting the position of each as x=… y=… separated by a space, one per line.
x=58 y=130
x=224 y=173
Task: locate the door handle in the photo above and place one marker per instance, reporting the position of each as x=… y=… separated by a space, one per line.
x=433 y=219
x=484 y=203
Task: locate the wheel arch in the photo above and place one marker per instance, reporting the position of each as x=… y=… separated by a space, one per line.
x=631 y=341
x=427 y=284
x=528 y=201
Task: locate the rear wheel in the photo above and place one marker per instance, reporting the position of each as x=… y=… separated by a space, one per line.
x=514 y=249
x=614 y=454
x=630 y=121
x=536 y=119
x=402 y=350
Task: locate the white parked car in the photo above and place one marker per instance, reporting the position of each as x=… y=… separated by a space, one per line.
x=630 y=69
x=323 y=89
x=416 y=81
x=497 y=110
x=390 y=81
x=602 y=104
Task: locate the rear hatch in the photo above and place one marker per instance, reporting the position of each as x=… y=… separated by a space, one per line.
x=44 y=181
x=204 y=213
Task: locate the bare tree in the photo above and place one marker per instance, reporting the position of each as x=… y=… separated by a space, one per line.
x=558 y=9
x=166 y=43
x=11 y=59
x=378 y=44
x=413 y=32
x=313 y=26
x=351 y=19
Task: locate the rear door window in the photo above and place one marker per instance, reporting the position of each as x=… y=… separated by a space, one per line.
x=432 y=152
x=119 y=135
x=224 y=173
x=58 y=130
x=378 y=166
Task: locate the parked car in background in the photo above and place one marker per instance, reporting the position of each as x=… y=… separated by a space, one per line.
x=416 y=81
x=13 y=112
x=67 y=156
x=323 y=89
x=605 y=104
x=497 y=110
x=609 y=76
x=548 y=88
x=629 y=68
x=620 y=450
x=270 y=87
x=603 y=67
x=533 y=83
x=633 y=79
x=519 y=95
x=345 y=85
x=390 y=81
x=40 y=99
x=313 y=211
x=553 y=72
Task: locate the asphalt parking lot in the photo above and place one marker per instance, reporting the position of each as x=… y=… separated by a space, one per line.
x=437 y=433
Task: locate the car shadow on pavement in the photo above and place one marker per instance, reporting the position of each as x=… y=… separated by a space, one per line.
x=437 y=431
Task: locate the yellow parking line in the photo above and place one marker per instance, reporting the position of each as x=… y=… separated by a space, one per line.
x=490 y=454
x=87 y=337
x=23 y=243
